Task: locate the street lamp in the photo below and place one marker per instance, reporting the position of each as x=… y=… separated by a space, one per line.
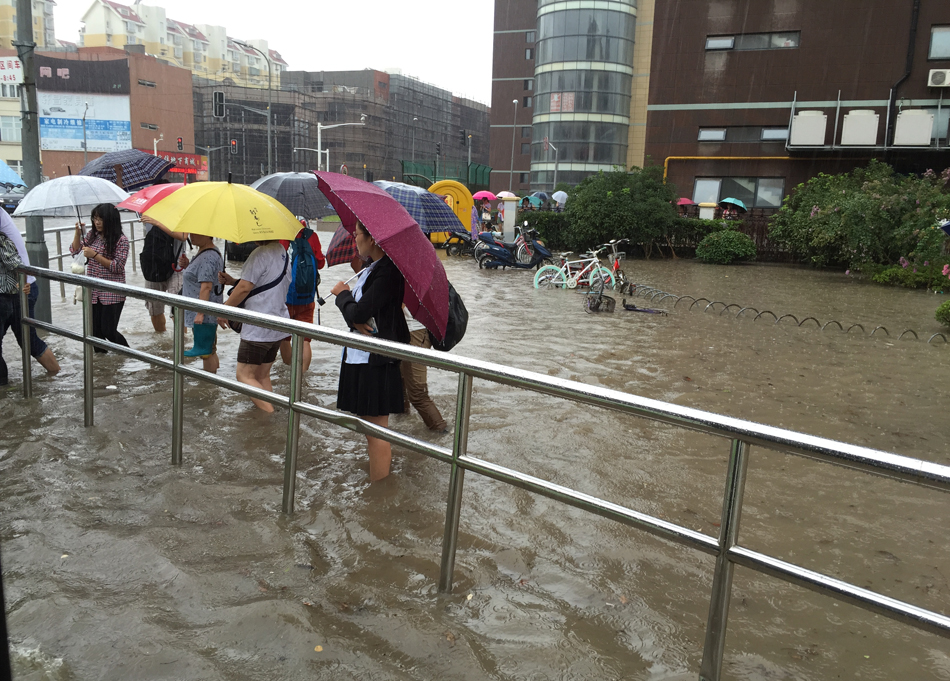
x=319 y=154
x=270 y=101
x=511 y=177
x=414 y=139
x=320 y=128
x=155 y=143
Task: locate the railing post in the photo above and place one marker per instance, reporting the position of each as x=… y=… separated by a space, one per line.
x=293 y=424
x=178 y=385
x=25 y=337
x=453 y=509
x=132 y=244
x=87 y=358
x=711 y=667
x=59 y=259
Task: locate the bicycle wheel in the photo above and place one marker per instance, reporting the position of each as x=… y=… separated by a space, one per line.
x=591 y=303
x=524 y=254
x=620 y=281
x=549 y=277
x=600 y=278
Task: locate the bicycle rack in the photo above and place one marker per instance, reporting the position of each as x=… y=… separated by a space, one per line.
x=774 y=316
x=909 y=331
x=812 y=319
x=883 y=328
x=788 y=315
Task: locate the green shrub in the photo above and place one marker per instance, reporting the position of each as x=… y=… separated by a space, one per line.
x=943 y=314
x=690 y=231
x=925 y=276
x=726 y=247
x=552 y=227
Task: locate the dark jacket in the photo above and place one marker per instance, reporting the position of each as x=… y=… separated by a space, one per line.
x=382 y=300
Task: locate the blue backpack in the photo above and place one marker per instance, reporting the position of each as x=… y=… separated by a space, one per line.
x=304 y=274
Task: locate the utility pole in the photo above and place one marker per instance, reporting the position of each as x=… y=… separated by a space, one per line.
x=35 y=238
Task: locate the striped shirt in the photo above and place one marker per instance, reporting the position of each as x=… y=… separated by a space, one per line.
x=116 y=272
x=9 y=261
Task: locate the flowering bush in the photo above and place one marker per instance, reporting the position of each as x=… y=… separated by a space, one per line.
x=726 y=247
x=871 y=215
x=943 y=314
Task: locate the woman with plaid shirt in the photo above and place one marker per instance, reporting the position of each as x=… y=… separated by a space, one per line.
x=106 y=249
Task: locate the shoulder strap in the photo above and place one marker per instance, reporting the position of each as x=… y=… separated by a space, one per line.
x=270 y=285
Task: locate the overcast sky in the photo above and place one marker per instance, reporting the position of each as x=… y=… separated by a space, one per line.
x=447 y=44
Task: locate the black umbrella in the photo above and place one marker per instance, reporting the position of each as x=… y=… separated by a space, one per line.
x=298 y=192
x=138 y=168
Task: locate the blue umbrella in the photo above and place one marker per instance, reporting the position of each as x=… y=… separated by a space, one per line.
x=541 y=195
x=432 y=213
x=8 y=176
x=735 y=202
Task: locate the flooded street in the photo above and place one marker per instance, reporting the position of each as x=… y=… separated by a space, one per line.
x=118 y=565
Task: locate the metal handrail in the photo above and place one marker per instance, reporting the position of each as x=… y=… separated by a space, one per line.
x=743 y=434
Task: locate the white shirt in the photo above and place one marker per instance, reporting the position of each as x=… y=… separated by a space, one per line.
x=359 y=356
x=411 y=321
x=263 y=265
x=8 y=227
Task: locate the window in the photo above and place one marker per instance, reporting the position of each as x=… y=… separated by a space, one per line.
x=712 y=135
x=706 y=191
x=769 y=192
x=529 y=84
x=529 y=53
x=530 y=36
x=527 y=102
x=774 y=134
x=526 y=132
x=754 y=41
x=524 y=178
x=754 y=192
x=939 y=42
x=525 y=148
x=10 y=129
x=10 y=90
x=148 y=126
x=146 y=83
x=382 y=84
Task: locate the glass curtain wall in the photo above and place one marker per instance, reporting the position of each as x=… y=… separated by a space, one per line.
x=583 y=83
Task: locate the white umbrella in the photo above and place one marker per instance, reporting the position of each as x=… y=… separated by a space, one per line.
x=69 y=195
x=560 y=197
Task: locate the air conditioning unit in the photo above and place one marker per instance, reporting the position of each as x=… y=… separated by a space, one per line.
x=939 y=78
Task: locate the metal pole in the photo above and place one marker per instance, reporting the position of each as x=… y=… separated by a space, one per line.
x=87 y=359
x=25 y=336
x=554 y=188
x=85 y=154
x=59 y=252
x=5 y=669
x=270 y=103
x=35 y=238
x=132 y=244
x=711 y=666
x=320 y=148
x=514 y=126
x=414 y=139
x=293 y=424
x=456 y=478
x=178 y=385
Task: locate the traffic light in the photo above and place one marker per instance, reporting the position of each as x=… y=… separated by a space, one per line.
x=234 y=147
x=438 y=148
x=217 y=98
x=181 y=146
x=462 y=137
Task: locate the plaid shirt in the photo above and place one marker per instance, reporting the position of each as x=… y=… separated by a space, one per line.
x=116 y=272
x=9 y=261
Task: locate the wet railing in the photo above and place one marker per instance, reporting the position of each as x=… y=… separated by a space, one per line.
x=743 y=435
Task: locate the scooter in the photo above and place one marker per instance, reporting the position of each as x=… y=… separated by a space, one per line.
x=493 y=255
x=459 y=243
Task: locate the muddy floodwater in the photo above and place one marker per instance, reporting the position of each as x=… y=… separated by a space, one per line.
x=119 y=566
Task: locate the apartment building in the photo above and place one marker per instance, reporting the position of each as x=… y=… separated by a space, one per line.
x=206 y=50
x=44 y=28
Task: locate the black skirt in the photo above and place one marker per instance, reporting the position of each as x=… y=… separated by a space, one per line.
x=367 y=390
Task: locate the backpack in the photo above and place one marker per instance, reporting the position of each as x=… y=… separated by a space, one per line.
x=304 y=274
x=158 y=256
x=455 y=328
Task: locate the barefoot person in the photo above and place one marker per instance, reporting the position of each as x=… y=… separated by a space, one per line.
x=370 y=384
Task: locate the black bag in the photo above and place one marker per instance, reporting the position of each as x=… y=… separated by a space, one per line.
x=158 y=255
x=457 y=324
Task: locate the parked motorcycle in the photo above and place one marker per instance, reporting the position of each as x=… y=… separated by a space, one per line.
x=492 y=255
x=459 y=243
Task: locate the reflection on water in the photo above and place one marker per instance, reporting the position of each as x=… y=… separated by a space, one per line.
x=119 y=566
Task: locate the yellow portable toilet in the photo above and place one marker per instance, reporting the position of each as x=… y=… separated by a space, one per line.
x=460 y=201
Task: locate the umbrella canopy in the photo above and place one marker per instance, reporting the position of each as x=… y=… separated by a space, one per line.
x=432 y=213
x=734 y=202
x=478 y=196
x=683 y=201
x=136 y=167
x=541 y=195
x=533 y=200
x=945 y=226
x=229 y=211
x=68 y=196
x=505 y=195
x=397 y=234
x=143 y=199
x=297 y=191
x=342 y=247
x=560 y=197
x=9 y=176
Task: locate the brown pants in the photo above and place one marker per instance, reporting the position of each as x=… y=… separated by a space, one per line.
x=415 y=387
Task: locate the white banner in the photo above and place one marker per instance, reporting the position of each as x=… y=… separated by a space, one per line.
x=107 y=125
x=11 y=71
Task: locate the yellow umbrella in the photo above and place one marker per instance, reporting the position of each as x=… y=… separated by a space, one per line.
x=234 y=212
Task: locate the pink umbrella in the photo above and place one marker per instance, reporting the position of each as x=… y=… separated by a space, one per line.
x=685 y=202
x=143 y=199
x=399 y=236
x=478 y=196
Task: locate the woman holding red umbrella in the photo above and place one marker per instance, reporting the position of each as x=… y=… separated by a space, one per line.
x=370 y=384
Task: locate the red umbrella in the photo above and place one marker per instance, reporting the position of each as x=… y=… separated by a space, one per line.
x=342 y=248
x=399 y=236
x=143 y=199
x=685 y=202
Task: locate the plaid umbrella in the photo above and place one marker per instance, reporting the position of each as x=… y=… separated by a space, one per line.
x=297 y=191
x=432 y=213
x=342 y=248
x=137 y=168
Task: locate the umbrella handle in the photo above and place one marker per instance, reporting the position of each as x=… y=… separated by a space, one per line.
x=348 y=281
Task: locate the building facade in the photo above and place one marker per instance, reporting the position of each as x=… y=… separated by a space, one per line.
x=206 y=50
x=44 y=27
